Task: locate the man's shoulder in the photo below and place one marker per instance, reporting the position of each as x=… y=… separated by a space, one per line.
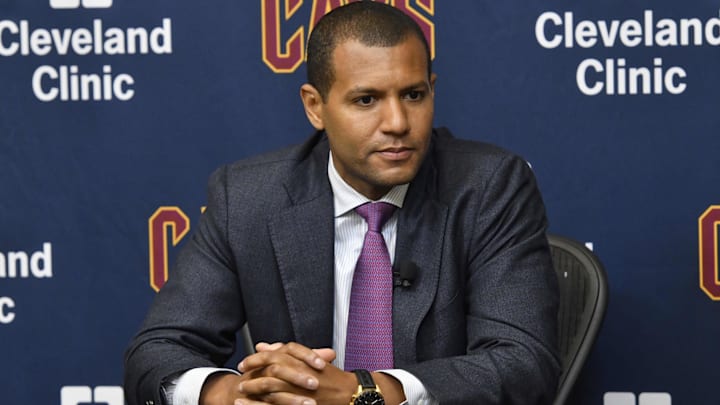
x=464 y=154
x=481 y=173
x=266 y=160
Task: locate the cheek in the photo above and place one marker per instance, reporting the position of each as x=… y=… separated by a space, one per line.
x=352 y=133
x=355 y=138
x=423 y=116
x=350 y=149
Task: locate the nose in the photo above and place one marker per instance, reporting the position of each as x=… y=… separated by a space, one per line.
x=395 y=119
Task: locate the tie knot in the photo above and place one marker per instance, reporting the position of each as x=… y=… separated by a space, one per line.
x=376 y=214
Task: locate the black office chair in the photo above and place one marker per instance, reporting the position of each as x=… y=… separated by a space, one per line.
x=583 y=299
x=247 y=340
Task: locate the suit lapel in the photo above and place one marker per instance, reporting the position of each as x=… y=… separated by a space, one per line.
x=303 y=240
x=421 y=229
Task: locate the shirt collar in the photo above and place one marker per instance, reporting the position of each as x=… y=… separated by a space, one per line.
x=347 y=198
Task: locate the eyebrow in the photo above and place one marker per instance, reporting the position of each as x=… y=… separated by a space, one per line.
x=371 y=90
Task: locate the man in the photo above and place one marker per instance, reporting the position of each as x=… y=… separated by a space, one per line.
x=473 y=311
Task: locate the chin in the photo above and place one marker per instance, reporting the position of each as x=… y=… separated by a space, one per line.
x=399 y=178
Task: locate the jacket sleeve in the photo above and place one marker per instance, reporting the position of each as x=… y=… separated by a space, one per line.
x=194 y=318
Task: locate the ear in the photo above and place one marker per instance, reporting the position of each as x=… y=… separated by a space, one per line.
x=313 y=104
x=433 y=78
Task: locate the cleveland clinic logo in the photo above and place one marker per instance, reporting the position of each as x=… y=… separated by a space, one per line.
x=60 y=4
x=76 y=78
x=629 y=398
x=76 y=395
x=634 y=73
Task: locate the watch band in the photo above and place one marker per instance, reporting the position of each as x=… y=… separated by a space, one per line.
x=365 y=379
x=367 y=392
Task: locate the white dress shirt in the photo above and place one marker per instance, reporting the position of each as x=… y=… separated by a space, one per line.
x=350 y=229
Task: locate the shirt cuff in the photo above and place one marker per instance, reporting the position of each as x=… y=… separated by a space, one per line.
x=415 y=392
x=185 y=390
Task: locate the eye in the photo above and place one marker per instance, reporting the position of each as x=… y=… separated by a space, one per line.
x=365 y=100
x=415 y=95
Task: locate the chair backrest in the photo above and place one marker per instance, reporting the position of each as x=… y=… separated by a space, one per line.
x=248 y=344
x=583 y=299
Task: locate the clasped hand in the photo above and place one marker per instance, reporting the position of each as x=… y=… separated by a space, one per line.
x=282 y=374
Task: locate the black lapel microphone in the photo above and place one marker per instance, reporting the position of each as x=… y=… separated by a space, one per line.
x=405 y=274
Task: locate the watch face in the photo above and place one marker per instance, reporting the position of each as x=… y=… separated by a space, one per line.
x=370 y=398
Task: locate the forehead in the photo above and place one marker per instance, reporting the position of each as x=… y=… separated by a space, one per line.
x=355 y=63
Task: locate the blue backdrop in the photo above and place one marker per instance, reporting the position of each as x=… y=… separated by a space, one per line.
x=114 y=112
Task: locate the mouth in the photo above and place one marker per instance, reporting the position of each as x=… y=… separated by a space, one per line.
x=396 y=153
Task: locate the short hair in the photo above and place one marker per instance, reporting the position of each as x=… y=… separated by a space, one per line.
x=370 y=23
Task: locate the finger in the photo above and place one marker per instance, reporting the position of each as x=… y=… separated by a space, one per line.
x=286 y=398
x=264 y=346
x=264 y=359
x=326 y=354
x=279 y=378
x=262 y=386
x=281 y=356
x=254 y=360
x=247 y=401
x=305 y=354
x=266 y=387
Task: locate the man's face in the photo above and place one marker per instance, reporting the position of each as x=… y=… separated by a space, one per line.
x=377 y=115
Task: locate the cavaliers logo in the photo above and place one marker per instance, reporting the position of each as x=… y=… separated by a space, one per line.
x=708 y=225
x=167 y=225
x=283 y=40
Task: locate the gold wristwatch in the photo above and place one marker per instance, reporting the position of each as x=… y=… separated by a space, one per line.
x=367 y=392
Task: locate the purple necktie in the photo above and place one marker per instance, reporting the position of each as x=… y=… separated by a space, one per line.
x=369 y=333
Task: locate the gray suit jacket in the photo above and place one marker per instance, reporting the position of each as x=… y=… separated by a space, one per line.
x=477 y=326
